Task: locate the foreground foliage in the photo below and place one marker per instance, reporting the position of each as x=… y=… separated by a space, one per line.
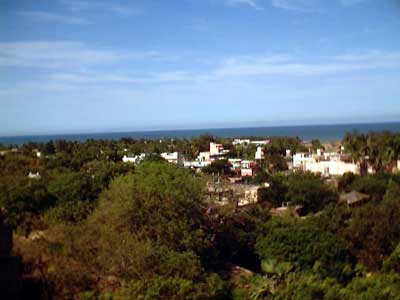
x=94 y=228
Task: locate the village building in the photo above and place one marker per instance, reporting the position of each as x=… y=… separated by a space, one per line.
x=174 y=157
x=246 y=172
x=204 y=157
x=259 y=153
x=248 y=142
x=249 y=196
x=300 y=159
x=196 y=164
x=327 y=164
x=4 y=152
x=286 y=208
x=235 y=163
x=354 y=198
x=134 y=159
x=37 y=153
x=216 y=152
x=332 y=168
x=240 y=142
x=397 y=167
x=260 y=143
x=32 y=175
x=246 y=168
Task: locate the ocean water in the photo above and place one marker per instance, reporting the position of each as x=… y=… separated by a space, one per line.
x=305 y=132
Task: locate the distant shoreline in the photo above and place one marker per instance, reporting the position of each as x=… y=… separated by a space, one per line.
x=325 y=133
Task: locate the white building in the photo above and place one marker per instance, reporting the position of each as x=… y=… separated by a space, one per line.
x=260 y=143
x=134 y=159
x=235 y=162
x=204 y=156
x=301 y=158
x=37 y=153
x=246 y=168
x=34 y=175
x=196 y=164
x=259 y=153
x=325 y=163
x=248 y=141
x=216 y=152
x=240 y=142
x=217 y=149
x=249 y=196
x=246 y=172
x=332 y=167
x=247 y=164
x=174 y=157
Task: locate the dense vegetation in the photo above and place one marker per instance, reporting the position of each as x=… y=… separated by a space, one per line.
x=94 y=228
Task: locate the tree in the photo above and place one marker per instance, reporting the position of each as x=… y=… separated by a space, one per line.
x=276 y=162
x=219 y=166
x=376 y=286
x=151 y=222
x=310 y=192
x=158 y=201
x=305 y=246
x=392 y=263
x=277 y=191
x=372 y=232
x=72 y=186
x=25 y=203
x=373 y=185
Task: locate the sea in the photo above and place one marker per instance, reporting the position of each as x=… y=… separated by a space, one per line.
x=305 y=132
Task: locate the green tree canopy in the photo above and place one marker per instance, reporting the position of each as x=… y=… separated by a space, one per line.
x=309 y=191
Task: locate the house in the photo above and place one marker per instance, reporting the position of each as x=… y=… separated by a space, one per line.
x=250 y=195
x=216 y=149
x=246 y=193
x=327 y=164
x=247 y=164
x=37 y=153
x=240 y=142
x=246 y=168
x=196 y=164
x=34 y=175
x=204 y=156
x=332 y=167
x=259 y=153
x=260 y=143
x=354 y=198
x=246 y=172
x=216 y=152
x=174 y=157
x=286 y=208
x=4 y=152
x=300 y=159
x=235 y=162
x=397 y=167
x=134 y=159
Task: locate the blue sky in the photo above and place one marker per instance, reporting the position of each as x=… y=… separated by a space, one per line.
x=87 y=66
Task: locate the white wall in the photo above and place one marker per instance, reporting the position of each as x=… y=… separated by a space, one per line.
x=327 y=168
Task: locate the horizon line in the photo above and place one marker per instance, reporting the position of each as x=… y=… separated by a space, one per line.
x=83 y=132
